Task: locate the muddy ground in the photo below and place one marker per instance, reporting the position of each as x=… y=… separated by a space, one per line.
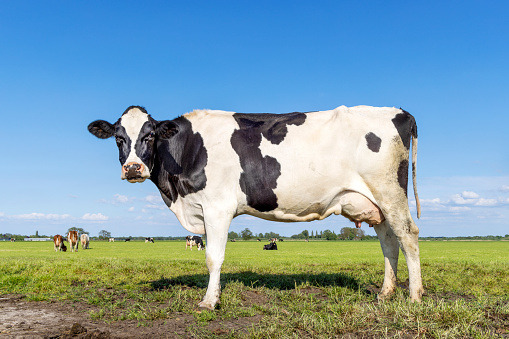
x=28 y=319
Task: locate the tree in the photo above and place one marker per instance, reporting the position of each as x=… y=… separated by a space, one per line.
x=351 y=233
x=327 y=234
x=233 y=235
x=246 y=234
x=260 y=235
x=271 y=235
x=103 y=234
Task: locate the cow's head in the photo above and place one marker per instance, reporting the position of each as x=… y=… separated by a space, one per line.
x=136 y=134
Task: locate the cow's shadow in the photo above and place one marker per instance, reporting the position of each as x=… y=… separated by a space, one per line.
x=255 y=280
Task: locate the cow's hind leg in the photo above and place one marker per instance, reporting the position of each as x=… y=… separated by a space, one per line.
x=217 y=234
x=390 y=249
x=407 y=234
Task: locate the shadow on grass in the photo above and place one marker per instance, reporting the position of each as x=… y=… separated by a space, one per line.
x=253 y=279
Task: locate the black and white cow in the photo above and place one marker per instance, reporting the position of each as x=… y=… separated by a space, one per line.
x=211 y=166
x=194 y=240
x=149 y=239
x=270 y=246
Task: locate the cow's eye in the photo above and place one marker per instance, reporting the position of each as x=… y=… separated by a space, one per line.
x=120 y=141
x=149 y=137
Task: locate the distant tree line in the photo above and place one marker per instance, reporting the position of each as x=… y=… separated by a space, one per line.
x=346 y=233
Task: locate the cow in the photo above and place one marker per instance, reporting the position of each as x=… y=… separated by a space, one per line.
x=58 y=243
x=149 y=240
x=111 y=240
x=85 y=240
x=72 y=238
x=128 y=239
x=270 y=246
x=194 y=240
x=13 y=240
x=211 y=166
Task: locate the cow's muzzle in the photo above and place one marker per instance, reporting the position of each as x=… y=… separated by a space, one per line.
x=133 y=172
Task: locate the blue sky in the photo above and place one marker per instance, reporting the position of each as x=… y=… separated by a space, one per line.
x=67 y=63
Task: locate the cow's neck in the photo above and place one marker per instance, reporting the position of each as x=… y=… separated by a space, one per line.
x=179 y=163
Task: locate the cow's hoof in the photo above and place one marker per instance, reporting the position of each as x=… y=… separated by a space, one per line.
x=206 y=305
x=384 y=295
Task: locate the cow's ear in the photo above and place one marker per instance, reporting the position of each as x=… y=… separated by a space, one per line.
x=166 y=129
x=101 y=129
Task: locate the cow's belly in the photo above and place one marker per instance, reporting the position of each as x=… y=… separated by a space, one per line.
x=353 y=205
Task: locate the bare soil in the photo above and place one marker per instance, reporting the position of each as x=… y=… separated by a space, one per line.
x=28 y=319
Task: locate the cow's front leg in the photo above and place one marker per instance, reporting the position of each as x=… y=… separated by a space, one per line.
x=217 y=234
x=390 y=249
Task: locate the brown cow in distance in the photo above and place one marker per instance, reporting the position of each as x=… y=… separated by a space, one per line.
x=72 y=238
x=58 y=243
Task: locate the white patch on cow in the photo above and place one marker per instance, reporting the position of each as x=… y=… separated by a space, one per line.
x=133 y=121
x=310 y=186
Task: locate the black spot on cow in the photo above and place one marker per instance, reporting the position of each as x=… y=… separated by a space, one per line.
x=373 y=141
x=180 y=160
x=259 y=174
x=406 y=127
x=403 y=175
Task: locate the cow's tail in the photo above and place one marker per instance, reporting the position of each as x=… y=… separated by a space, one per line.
x=414 y=165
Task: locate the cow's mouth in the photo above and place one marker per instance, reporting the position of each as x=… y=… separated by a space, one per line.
x=136 y=179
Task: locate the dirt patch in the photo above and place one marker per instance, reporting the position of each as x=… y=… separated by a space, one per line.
x=24 y=319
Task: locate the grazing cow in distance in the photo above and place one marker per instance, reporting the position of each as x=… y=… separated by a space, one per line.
x=128 y=239
x=194 y=240
x=271 y=246
x=149 y=240
x=258 y=239
x=13 y=240
x=58 y=243
x=85 y=240
x=233 y=240
x=72 y=238
x=111 y=240
x=211 y=166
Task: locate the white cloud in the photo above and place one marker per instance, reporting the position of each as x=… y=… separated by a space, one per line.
x=2 y=214
x=158 y=207
x=153 y=199
x=131 y=209
x=459 y=208
x=469 y=195
x=486 y=202
x=41 y=216
x=119 y=198
x=504 y=188
x=94 y=217
x=460 y=200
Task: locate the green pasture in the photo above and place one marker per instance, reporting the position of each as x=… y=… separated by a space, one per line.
x=313 y=289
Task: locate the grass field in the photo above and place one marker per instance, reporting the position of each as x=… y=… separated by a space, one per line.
x=305 y=289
